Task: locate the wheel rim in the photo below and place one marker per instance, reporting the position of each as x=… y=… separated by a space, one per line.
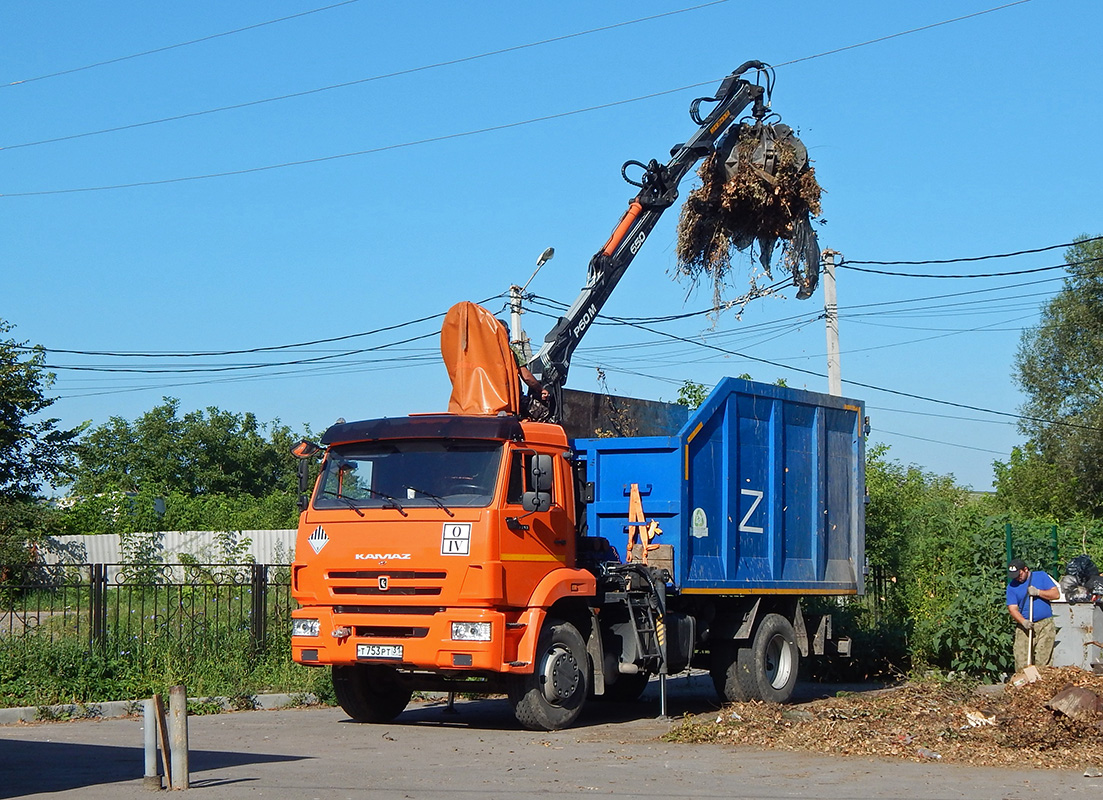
x=779 y=661
x=561 y=674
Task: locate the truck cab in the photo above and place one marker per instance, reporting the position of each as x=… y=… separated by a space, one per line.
x=430 y=554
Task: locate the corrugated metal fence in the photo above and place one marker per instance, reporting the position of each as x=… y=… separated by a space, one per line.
x=260 y=547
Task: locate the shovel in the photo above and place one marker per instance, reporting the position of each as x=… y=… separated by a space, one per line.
x=1030 y=672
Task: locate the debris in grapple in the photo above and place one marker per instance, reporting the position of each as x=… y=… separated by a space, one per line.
x=758 y=186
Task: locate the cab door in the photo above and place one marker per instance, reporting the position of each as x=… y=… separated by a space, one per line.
x=538 y=542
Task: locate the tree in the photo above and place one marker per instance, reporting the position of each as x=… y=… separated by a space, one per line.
x=1059 y=366
x=1027 y=484
x=33 y=451
x=200 y=453
x=692 y=394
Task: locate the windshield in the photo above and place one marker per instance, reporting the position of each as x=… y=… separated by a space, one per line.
x=410 y=474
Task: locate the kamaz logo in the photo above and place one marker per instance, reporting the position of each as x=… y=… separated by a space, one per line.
x=587 y=318
x=382 y=556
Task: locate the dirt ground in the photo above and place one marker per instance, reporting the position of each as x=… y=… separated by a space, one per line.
x=953 y=722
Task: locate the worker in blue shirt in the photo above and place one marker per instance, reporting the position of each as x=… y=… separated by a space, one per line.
x=1028 y=597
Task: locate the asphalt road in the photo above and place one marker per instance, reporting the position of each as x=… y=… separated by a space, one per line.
x=480 y=752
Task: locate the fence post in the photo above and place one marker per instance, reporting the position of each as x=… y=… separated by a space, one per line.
x=98 y=603
x=260 y=606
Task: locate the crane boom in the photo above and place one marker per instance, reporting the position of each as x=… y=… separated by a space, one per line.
x=658 y=191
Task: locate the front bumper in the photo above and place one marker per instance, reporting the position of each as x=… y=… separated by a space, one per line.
x=425 y=636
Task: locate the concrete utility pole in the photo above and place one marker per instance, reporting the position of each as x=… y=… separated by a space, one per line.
x=831 y=316
x=516 y=333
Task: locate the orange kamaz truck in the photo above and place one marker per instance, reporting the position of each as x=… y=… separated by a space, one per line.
x=480 y=550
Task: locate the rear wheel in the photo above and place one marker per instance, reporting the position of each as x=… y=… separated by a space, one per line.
x=370 y=692
x=552 y=697
x=724 y=671
x=768 y=668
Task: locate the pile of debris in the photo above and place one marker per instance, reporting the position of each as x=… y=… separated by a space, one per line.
x=1054 y=722
x=1081 y=582
x=757 y=188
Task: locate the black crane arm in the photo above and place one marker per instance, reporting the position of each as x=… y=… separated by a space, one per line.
x=658 y=191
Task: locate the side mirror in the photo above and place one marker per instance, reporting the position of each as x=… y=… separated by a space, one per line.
x=304 y=451
x=304 y=476
x=536 y=501
x=541 y=473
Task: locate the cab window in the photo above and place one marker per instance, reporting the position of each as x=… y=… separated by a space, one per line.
x=520 y=477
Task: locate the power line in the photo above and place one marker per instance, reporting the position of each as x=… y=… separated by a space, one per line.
x=901 y=33
x=474 y=132
x=175 y=46
x=234 y=367
x=948 y=444
x=360 y=81
x=974 y=275
x=370 y=151
x=860 y=384
x=848 y=262
x=247 y=351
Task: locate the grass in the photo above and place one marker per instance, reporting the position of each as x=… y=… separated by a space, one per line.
x=211 y=661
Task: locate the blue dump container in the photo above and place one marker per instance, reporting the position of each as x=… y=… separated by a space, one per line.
x=761 y=492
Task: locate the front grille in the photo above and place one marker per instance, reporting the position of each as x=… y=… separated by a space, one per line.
x=380 y=583
x=388 y=632
x=413 y=611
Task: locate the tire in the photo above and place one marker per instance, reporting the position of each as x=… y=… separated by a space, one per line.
x=627 y=689
x=767 y=670
x=370 y=692
x=724 y=670
x=552 y=697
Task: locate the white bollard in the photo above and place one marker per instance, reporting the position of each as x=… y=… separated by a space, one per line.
x=178 y=725
x=149 y=732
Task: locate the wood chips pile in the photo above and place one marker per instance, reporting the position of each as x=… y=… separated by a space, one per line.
x=928 y=720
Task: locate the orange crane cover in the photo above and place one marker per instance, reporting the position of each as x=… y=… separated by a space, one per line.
x=481 y=365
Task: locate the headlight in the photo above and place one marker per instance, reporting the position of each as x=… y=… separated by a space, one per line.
x=305 y=627
x=471 y=631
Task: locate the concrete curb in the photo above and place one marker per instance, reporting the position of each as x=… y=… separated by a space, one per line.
x=127 y=708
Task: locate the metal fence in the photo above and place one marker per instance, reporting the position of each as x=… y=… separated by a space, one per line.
x=141 y=603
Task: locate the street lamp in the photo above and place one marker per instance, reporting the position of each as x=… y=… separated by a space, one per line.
x=516 y=334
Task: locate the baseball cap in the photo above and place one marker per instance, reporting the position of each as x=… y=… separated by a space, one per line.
x=1016 y=566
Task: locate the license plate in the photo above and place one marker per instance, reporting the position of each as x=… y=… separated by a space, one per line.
x=386 y=651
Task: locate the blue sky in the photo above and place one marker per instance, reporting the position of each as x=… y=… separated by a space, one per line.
x=965 y=139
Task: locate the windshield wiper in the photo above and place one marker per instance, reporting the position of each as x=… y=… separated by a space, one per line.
x=393 y=502
x=347 y=501
x=433 y=497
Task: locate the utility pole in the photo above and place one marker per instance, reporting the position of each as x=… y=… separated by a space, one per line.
x=831 y=316
x=516 y=333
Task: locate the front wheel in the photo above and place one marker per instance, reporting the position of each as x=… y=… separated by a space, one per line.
x=552 y=697
x=370 y=692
